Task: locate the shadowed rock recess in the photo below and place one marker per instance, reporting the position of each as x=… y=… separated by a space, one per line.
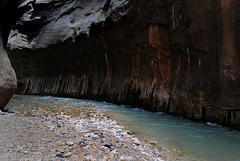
x=176 y=56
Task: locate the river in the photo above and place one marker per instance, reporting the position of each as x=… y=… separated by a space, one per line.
x=187 y=139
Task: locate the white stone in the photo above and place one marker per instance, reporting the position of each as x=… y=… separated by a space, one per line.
x=70 y=143
x=94 y=136
x=67 y=154
x=136 y=141
x=25 y=152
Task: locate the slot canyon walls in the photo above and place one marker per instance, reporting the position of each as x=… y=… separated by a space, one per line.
x=8 y=80
x=176 y=56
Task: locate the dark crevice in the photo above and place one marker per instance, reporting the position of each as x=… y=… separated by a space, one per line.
x=106 y=6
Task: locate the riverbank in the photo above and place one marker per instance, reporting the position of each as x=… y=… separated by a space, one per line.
x=67 y=132
x=175 y=138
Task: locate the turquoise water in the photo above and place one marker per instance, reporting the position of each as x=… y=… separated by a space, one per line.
x=194 y=141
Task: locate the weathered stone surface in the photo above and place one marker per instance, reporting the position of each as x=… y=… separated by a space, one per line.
x=176 y=56
x=8 y=80
x=48 y=22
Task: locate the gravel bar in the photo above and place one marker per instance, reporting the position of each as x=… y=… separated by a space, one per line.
x=64 y=132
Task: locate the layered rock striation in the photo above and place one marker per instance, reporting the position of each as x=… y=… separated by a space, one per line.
x=175 y=56
x=8 y=80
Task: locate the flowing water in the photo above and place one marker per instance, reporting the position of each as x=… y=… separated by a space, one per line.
x=187 y=139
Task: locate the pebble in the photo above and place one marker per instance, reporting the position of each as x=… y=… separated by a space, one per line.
x=136 y=141
x=70 y=143
x=25 y=152
x=101 y=136
x=60 y=155
x=60 y=150
x=67 y=154
x=94 y=136
x=91 y=158
x=126 y=158
x=60 y=143
x=153 y=142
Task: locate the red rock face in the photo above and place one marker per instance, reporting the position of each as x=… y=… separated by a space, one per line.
x=176 y=56
x=211 y=76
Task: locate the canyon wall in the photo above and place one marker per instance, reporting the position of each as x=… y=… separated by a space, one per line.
x=175 y=56
x=8 y=80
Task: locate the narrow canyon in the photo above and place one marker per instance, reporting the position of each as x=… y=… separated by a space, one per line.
x=181 y=57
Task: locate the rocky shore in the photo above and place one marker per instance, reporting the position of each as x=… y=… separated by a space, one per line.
x=67 y=132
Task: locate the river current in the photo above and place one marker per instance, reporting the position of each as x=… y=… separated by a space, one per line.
x=189 y=140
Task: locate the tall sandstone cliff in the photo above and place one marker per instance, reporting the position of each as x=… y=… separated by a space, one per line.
x=181 y=57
